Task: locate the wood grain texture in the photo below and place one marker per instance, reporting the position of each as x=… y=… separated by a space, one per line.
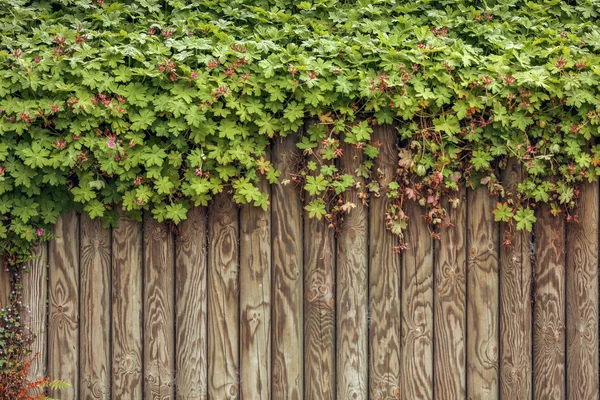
x=159 y=310
x=450 y=303
x=417 y=307
x=127 y=317
x=582 y=298
x=385 y=300
x=515 y=304
x=191 y=303
x=35 y=294
x=319 y=308
x=352 y=283
x=5 y=287
x=223 y=299
x=255 y=299
x=549 y=307
x=482 y=299
x=287 y=313
x=63 y=319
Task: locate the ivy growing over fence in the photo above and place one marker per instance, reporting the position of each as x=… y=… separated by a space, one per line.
x=159 y=105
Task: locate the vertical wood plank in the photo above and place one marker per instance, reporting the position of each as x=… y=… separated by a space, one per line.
x=417 y=307
x=450 y=303
x=127 y=318
x=159 y=310
x=5 y=287
x=191 y=305
x=223 y=299
x=515 y=304
x=352 y=283
x=35 y=295
x=287 y=352
x=63 y=320
x=482 y=299
x=319 y=307
x=255 y=299
x=582 y=298
x=95 y=284
x=549 y=307
x=385 y=301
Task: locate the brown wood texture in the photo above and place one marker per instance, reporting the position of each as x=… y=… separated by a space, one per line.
x=191 y=304
x=353 y=286
x=95 y=306
x=127 y=317
x=482 y=299
x=63 y=307
x=549 y=307
x=385 y=301
x=5 y=286
x=450 y=303
x=582 y=298
x=515 y=303
x=35 y=293
x=159 y=310
x=255 y=299
x=287 y=288
x=319 y=307
x=223 y=299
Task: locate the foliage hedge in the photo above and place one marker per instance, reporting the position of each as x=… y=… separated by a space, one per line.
x=159 y=105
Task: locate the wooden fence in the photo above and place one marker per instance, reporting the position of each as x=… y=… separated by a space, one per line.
x=244 y=303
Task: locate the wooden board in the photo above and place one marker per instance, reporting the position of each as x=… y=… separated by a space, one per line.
x=286 y=210
x=450 y=303
x=223 y=299
x=191 y=304
x=417 y=307
x=159 y=310
x=549 y=307
x=385 y=300
x=353 y=286
x=63 y=308
x=515 y=304
x=255 y=299
x=127 y=292
x=582 y=298
x=319 y=308
x=5 y=287
x=482 y=300
x=35 y=294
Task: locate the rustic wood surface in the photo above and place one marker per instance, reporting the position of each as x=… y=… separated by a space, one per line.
x=582 y=297
x=385 y=299
x=5 y=285
x=482 y=299
x=515 y=304
x=223 y=299
x=287 y=290
x=549 y=307
x=450 y=303
x=191 y=304
x=127 y=317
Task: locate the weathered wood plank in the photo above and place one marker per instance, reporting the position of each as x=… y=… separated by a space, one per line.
x=223 y=299
x=35 y=295
x=385 y=301
x=63 y=320
x=191 y=304
x=450 y=303
x=127 y=317
x=582 y=298
x=353 y=285
x=482 y=300
x=417 y=307
x=515 y=303
x=549 y=307
x=255 y=299
x=287 y=349
x=95 y=300
x=159 y=310
x=5 y=287
x=319 y=307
